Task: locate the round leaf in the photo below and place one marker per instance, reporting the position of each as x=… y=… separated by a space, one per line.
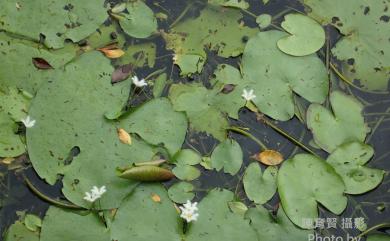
x=264 y=20
x=227 y=155
x=181 y=192
x=306 y=35
x=186 y=172
x=305 y=180
x=188 y=157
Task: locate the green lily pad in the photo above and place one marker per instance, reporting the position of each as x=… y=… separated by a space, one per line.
x=139 y=55
x=73 y=116
x=274 y=76
x=264 y=20
x=306 y=180
x=238 y=207
x=348 y=160
x=10 y=143
x=260 y=187
x=56 y=20
x=181 y=192
x=227 y=155
x=60 y=225
x=279 y=227
x=206 y=109
x=14 y=103
x=139 y=22
x=159 y=85
x=307 y=36
x=157 y=123
x=19 y=232
x=32 y=222
x=188 y=157
x=345 y=124
x=216 y=29
x=364 y=49
x=186 y=172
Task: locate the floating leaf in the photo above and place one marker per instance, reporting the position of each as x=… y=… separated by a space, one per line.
x=112 y=53
x=348 y=160
x=10 y=143
x=159 y=85
x=241 y=4
x=306 y=35
x=147 y=174
x=216 y=29
x=181 y=192
x=159 y=124
x=269 y=227
x=345 y=124
x=32 y=222
x=40 y=63
x=238 y=207
x=305 y=180
x=139 y=55
x=274 y=76
x=260 y=187
x=227 y=155
x=56 y=21
x=186 y=172
x=364 y=49
x=269 y=157
x=19 y=232
x=264 y=20
x=60 y=225
x=188 y=157
x=121 y=73
x=124 y=136
x=139 y=22
x=79 y=121
x=156 y=198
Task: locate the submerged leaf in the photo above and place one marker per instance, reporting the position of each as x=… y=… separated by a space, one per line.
x=305 y=180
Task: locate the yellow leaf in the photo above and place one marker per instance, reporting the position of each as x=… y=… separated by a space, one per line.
x=124 y=137
x=269 y=157
x=7 y=160
x=112 y=53
x=156 y=198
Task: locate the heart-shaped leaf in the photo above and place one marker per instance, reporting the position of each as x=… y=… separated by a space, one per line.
x=307 y=36
x=348 y=160
x=186 y=172
x=345 y=124
x=274 y=76
x=260 y=187
x=227 y=155
x=181 y=192
x=306 y=180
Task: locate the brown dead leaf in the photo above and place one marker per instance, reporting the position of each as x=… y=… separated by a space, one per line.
x=156 y=198
x=7 y=160
x=269 y=157
x=112 y=52
x=124 y=137
x=40 y=63
x=121 y=73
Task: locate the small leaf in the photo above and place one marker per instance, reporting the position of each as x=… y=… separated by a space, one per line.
x=188 y=157
x=40 y=63
x=112 y=53
x=269 y=157
x=119 y=8
x=147 y=174
x=227 y=155
x=186 y=172
x=124 y=136
x=121 y=73
x=181 y=192
x=156 y=198
x=264 y=20
x=32 y=222
x=238 y=207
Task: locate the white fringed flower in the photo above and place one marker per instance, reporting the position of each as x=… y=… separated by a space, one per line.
x=95 y=193
x=189 y=211
x=248 y=95
x=139 y=83
x=28 y=122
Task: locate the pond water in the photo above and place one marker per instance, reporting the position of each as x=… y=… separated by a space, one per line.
x=374 y=206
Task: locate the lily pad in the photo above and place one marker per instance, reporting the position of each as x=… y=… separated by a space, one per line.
x=216 y=28
x=139 y=22
x=274 y=76
x=73 y=117
x=181 y=192
x=186 y=172
x=10 y=143
x=279 y=227
x=188 y=157
x=139 y=55
x=345 y=124
x=364 y=49
x=158 y=124
x=56 y=20
x=307 y=36
x=348 y=160
x=260 y=187
x=264 y=20
x=206 y=109
x=19 y=232
x=306 y=180
x=59 y=225
x=227 y=155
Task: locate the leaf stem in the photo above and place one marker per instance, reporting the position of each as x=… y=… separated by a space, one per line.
x=181 y=15
x=375 y=227
x=249 y=13
x=249 y=135
x=47 y=198
x=288 y=136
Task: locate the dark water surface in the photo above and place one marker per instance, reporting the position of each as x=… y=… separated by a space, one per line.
x=373 y=206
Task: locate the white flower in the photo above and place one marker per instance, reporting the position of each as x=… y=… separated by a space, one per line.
x=248 y=95
x=95 y=193
x=28 y=122
x=139 y=83
x=189 y=211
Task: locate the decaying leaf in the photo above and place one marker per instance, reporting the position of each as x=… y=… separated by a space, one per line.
x=156 y=198
x=124 y=136
x=269 y=157
x=112 y=53
x=41 y=63
x=121 y=73
x=147 y=174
